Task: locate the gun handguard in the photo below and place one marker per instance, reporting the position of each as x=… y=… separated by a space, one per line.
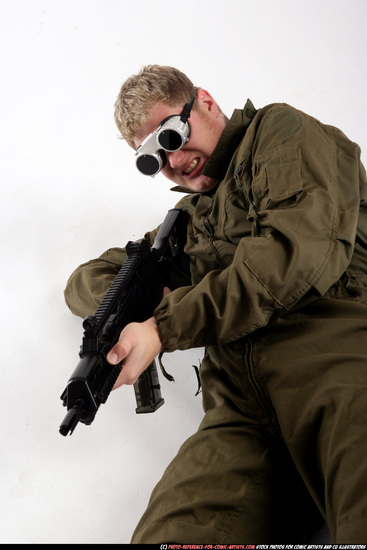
x=132 y=297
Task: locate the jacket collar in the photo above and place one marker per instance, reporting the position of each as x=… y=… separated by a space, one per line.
x=228 y=142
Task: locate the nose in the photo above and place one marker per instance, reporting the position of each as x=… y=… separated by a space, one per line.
x=175 y=159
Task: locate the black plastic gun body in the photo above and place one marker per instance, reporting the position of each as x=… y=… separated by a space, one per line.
x=134 y=294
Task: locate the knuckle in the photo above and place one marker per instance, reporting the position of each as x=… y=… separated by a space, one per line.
x=130 y=378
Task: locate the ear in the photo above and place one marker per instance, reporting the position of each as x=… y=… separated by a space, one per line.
x=207 y=102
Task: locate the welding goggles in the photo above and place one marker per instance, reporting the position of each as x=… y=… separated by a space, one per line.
x=171 y=135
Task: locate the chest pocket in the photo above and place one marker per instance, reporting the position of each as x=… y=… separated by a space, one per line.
x=278 y=177
x=273 y=181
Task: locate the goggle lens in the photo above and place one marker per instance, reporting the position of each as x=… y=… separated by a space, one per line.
x=149 y=165
x=170 y=140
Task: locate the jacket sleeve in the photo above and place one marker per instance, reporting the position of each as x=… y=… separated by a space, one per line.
x=88 y=284
x=304 y=183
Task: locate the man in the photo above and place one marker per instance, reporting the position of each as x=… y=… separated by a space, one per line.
x=277 y=241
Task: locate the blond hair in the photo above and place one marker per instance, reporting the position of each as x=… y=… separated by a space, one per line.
x=140 y=93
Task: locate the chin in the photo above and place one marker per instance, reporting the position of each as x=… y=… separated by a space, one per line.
x=203 y=185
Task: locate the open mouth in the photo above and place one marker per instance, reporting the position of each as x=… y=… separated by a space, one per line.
x=191 y=167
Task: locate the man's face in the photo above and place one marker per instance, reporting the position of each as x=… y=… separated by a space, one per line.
x=185 y=166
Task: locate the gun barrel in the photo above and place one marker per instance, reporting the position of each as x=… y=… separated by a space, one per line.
x=72 y=418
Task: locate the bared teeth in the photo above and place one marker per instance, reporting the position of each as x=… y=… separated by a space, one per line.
x=191 y=166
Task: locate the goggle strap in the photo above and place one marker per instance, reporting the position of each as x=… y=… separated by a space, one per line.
x=187 y=110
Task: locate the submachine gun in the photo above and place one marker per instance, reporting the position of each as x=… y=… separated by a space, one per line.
x=132 y=297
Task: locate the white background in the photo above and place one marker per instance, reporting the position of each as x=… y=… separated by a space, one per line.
x=69 y=191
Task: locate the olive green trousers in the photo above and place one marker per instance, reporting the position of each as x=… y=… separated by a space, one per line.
x=283 y=442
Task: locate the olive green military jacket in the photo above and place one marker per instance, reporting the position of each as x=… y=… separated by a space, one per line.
x=287 y=223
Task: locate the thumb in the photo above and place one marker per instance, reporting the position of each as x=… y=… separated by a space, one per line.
x=112 y=357
x=118 y=352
